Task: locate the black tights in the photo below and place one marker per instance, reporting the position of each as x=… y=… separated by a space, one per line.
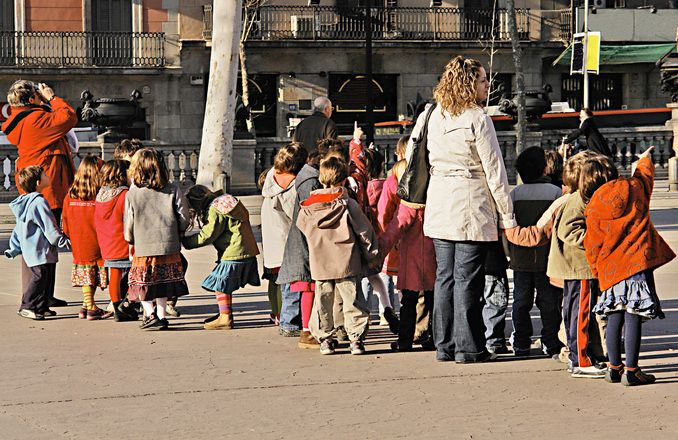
x=632 y=332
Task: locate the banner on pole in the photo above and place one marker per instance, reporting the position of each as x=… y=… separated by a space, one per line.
x=592 y=53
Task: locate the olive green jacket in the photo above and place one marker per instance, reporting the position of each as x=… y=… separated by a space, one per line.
x=228 y=229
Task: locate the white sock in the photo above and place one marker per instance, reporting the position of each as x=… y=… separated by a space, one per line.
x=381 y=290
x=148 y=307
x=161 y=304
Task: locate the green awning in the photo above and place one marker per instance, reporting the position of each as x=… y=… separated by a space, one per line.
x=627 y=54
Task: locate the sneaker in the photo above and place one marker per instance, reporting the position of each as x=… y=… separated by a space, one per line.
x=569 y=367
x=592 y=372
x=498 y=349
x=327 y=347
x=357 y=347
x=30 y=314
x=97 y=314
x=427 y=343
x=341 y=334
x=392 y=320
x=306 y=340
x=487 y=356
x=48 y=312
x=148 y=321
x=289 y=333
x=521 y=352
x=124 y=312
x=395 y=346
x=172 y=311
x=614 y=374
x=82 y=314
x=56 y=302
x=636 y=377
x=157 y=324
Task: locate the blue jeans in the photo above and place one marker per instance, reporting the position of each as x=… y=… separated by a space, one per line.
x=494 y=310
x=549 y=300
x=458 y=330
x=290 y=313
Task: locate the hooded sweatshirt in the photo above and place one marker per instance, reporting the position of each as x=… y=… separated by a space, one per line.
x=228 y=229
x=295 y=265
x=109 y=212
x=277 y=210
x=620 y=239
x=341 y=240
x=36 y=235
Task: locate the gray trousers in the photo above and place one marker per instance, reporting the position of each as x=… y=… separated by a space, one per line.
x=355 y=312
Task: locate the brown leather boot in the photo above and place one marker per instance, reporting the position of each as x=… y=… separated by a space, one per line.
x=306 y=340
x=223 y=322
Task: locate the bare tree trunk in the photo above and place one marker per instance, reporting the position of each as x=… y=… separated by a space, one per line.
x=244 y=82
x=216 y=148
x=520 y=79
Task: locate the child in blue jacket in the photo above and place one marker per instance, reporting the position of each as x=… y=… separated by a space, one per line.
x=36 y=237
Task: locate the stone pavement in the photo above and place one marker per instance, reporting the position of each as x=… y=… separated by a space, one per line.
x=70 y=378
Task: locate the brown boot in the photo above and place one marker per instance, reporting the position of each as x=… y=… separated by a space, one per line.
x=223 y=322
x=306 y=340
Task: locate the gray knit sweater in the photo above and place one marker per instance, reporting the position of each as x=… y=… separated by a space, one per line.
x=155 y=220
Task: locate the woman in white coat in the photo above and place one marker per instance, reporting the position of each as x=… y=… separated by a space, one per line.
x=467 y=202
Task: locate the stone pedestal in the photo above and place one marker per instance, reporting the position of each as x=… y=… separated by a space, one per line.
x=673 y=162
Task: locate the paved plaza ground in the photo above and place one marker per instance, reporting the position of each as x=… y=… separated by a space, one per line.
x=70 y=378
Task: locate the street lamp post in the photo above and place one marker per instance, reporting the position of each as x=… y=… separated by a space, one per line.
x=369 y=107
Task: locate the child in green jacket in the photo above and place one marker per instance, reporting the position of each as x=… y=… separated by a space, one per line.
x=225 y=223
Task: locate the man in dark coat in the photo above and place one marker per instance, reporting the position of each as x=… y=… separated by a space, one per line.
x=317 y=126
x=588 y=128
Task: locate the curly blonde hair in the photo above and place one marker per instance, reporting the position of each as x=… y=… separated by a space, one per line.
x=456 y=90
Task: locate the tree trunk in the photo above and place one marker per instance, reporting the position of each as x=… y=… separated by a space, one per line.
x=520 y=80
x=244 y=78
x=216 y=148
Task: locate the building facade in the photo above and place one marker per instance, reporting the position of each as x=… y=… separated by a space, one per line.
x=296 y=52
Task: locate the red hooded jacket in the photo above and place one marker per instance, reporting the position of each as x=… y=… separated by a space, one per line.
x=109 y=214
x=40 y=139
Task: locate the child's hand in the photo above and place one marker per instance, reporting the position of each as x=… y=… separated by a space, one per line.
x=357 y=131
x=646 y=153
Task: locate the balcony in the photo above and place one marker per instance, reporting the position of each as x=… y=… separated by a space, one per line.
x=318 y=23
x=82 y=49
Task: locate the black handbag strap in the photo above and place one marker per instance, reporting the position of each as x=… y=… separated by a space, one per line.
x=424 y=130
x=18 y=118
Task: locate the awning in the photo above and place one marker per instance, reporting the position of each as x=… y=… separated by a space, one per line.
x=626 y=54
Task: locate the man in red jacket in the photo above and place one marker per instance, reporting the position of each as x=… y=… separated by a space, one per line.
x=39 y=133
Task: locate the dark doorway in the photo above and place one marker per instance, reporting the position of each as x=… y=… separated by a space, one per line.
x=348 y=95
x=605 y=91
x=111 y=39
x=263 y=94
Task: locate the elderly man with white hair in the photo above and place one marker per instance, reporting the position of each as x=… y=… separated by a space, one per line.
x=317 y=126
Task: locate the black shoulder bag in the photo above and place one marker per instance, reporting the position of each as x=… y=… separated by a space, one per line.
x=414 y=182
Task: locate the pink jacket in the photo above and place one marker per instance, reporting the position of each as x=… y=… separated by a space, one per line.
x=374 y=189
x=417 y=269
x=386 y=208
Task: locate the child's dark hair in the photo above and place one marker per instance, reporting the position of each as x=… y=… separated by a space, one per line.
x=148 y=169
x=333 y=171
x=114 y=173
x=328 y=143
x=290 y=159
x=199 y=199
x=531 y=164
x=339 y=151
x=554 y=167
x=29 y=177
x=86 y=182
x=126 y=148
x=315 y=156
x=375 y=163
x=595 y=173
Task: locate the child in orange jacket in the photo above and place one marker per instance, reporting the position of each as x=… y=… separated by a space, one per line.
x=623 y=248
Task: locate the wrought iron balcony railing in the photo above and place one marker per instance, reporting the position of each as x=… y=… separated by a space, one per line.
x=82 y=49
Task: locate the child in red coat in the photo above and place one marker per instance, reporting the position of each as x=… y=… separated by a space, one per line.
x=77 y=222
x=623 y=248
x=109 y=214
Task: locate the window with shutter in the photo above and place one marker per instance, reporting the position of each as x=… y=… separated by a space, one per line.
x=112 y=15
x=112 y=32
x=7 y=16
x=7 y=33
